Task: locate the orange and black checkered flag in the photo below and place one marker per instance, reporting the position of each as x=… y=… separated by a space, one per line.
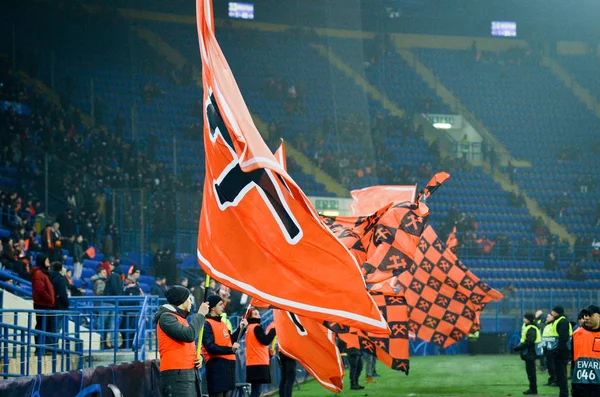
x=384 y=242
x=444 y=297
x=393 y=349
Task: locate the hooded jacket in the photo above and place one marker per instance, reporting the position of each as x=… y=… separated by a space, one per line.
x=42 y=290
x=99 y=284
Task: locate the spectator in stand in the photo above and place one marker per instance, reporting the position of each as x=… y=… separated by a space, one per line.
x=157 y=262
x=160 y=287
x=59 y=282
x=114 y=283
x=55 y=248
x=114 y=287
x=132 y=288
x=98 y=281
x=67 y=224
x=184 y=282
x=169 y=265
x=575 y=272
x=78 y=257
x=44 y=298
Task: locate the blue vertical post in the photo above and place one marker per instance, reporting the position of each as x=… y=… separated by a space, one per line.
x=28 y=342
x=15 y=322
x=90 y=343
x=23 y=348
x=5 y=350
x=115 y=334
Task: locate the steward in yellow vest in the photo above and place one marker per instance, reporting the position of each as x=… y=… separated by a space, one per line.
x=530 y=338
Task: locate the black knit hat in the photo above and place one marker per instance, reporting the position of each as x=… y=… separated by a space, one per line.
x=213 y=301
x=530 y=317
x=40 y=260
x=559 y=310
x=177 y=294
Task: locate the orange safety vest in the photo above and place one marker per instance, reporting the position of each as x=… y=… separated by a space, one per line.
x=175 y=354
x=351 y=341
x=586 y=357
x=222 y=338
x=256 y=352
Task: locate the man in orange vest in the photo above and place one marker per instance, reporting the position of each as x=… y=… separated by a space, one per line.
x=257 y=353
x=585 y=380
x=176 y=344
x=354 y=357
x=220 y=347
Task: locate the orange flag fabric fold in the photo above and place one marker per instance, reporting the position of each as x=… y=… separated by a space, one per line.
x=370 y=199
x=313 y=346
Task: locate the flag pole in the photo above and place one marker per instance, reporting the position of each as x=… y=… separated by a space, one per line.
x=199 y=348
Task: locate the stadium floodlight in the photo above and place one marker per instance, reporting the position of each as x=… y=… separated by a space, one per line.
x=442 y=126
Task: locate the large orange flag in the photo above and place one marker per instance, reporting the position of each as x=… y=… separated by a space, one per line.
x=445 y=298
x=371 y=199
x=258 y=232
x=313 y=346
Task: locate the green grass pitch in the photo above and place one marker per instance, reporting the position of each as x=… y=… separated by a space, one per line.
x=444 y=376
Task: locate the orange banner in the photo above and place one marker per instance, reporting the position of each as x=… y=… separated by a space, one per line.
x=258 y=232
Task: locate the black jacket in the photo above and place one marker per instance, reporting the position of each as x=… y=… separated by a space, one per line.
x=527 y=348
x=114 y=283
x=220 y=373
x=59 y=282
x=259 y=332
x=562 y=351
x=174 y=329
x=77 y=252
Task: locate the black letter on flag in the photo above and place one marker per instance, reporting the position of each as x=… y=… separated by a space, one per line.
x=233 y=184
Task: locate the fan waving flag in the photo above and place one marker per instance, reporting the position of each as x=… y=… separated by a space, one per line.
x=258 y=232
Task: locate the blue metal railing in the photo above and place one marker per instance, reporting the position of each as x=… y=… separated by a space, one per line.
x=16 y=342
x=112 y=316
x=139 y=342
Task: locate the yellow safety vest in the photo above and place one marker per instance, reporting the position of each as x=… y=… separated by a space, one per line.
x=548 y=340
x=554 y=331
x=538 y=338
x=525 y=328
